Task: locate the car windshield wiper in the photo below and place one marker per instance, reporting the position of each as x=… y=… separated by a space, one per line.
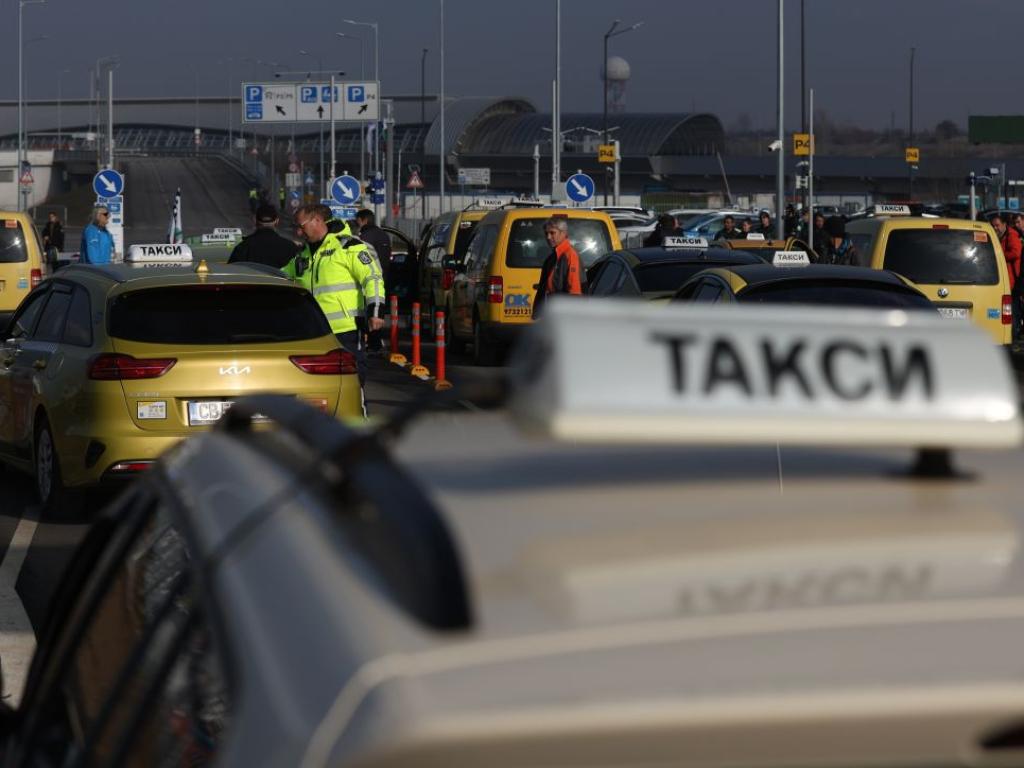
x=953 y=282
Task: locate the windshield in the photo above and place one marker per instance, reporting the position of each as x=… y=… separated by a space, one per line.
x=950 y=256
x=835 y=293
x=465 y=234
x=216 y=314
x=527 y=246
x=655 y=278
x=12 y=243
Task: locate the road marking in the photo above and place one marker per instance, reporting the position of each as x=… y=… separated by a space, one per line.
x=17 y=640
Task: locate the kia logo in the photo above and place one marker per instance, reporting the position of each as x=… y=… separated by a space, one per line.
x=234 y=370
x=943 y=293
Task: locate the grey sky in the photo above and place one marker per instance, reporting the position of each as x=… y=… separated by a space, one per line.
x=712 y=56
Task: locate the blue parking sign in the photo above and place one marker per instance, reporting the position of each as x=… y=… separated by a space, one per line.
x=325 y=94
x=254 y=93
x=307 y=94
x=356 y=94
x=253 y=111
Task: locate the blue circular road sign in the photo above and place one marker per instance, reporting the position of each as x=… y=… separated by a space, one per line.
x=579 y=188
x=108 y=183
x=345 y=189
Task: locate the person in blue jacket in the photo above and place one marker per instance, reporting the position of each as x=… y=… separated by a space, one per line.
x=97 y=243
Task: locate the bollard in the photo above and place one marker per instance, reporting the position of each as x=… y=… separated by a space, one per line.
x=417 y=369
x=396 y=357
x=441 y=382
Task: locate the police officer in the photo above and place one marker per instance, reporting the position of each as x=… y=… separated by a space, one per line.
x=341 y=273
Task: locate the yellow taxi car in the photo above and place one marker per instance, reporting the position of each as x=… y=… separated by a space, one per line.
x=957 y=263
x=758 y=245
x=21 y=261
x=104 y=367
x=492 y=294
x=443 y=245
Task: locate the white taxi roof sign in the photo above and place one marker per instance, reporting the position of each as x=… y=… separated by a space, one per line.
x=227 y=231
x=159 y=254
x=763 y=375
x=217 y=237
x=674 y=241
x=755 y=236
x=891 y=209
x=790 y=259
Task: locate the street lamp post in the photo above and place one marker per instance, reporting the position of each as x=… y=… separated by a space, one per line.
x=910 y=127
x=604 y=71
x=320 y=68
x=441 y=179
x=423 y=107
x=362 y=131
x=60 y=76
x=376 y=76
x=21 y=95
x=106 y=62
x=780 y=172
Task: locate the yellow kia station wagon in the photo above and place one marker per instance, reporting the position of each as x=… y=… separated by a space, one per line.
x=105 y=367
x=491 y=300
x=21 y=261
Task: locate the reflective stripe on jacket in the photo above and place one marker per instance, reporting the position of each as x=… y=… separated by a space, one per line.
x=343 y=277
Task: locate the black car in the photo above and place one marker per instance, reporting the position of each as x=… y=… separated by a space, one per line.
x=656 y=273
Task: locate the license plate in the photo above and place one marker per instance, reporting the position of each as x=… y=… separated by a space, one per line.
x=955 y=313
x=207 y=411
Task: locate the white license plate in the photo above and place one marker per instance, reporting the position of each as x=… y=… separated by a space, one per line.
x=955 y=313
x=207 y=411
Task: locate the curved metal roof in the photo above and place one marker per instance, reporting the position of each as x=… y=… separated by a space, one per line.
x=640 y=135
x=462 y=116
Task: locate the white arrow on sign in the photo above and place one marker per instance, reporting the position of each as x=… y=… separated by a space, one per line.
x=580 y=189
x=347 y=191
x=109 y=185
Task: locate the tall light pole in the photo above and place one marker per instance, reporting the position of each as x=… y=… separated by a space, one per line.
x=604 y=72
x=60 y=76
x=780 y=173
x=101 y=64
x=556 y=112
x=228 y=61
x=441 y=186
x=21 y=94
x=910 y=127
x=362 y=131
x=376 y=76
x=423 y=106
x=320 y=68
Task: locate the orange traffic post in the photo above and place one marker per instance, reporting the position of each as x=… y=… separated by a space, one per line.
x=396 y=357
x=441 y=382
x=417 y=369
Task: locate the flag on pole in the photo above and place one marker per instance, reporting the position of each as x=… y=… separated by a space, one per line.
x=174 y=230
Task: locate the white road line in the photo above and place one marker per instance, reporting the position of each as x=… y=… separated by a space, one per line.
x=17 y=640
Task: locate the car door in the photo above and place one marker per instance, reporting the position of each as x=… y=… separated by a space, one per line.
x=403 y=269
x=17 y=333
x=469 y=275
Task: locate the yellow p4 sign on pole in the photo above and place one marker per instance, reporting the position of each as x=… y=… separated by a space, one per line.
x=803 y=144
x=606 y=153
x=913 y=155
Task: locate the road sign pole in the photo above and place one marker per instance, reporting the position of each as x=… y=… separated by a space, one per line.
x=780 y=180
x=810 y=172
x=618 y=163
x=536 y=171
x=334 y=167
x=973 y=208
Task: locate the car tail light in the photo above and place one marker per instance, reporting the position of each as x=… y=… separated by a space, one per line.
x=447 y=279
x=129 y=467
x=36 y=277
x=113 y=367
x=333 y=363
x=495 y=289
x=940 y=226
x=1007 y=309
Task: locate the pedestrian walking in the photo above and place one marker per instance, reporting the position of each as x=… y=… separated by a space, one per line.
x=97 y=245
x=380 y=242
x=53 y=237
x=666 y=227
x=838 y=247
x=343 y=276
x=265 y=245
x=561 y=272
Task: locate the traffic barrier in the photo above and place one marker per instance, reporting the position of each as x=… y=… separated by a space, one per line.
x=396 y=357
x=417 y=369
x=441 y=382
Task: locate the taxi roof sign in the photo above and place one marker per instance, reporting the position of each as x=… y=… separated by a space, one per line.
x=673 y=241
x=891 y=209
x=237 y=232
x=755 y=236
x=159 y=255
x=763 y=375
x=790 y=259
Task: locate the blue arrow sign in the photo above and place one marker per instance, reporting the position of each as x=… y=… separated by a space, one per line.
x=579 y=188
x=108 y=183
x=345 y=189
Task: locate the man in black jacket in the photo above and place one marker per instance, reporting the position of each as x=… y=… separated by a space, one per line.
x=380 y=242
x=265 y=245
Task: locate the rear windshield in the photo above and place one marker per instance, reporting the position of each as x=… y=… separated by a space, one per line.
x=216 y=314
x=527 y=246
x=462 y=238
x=950 y=256
x=12 y=242
x=653 y=278
x=831 y=292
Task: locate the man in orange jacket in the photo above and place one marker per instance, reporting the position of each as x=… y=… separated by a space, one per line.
x=1010 y=240
x=562 y=272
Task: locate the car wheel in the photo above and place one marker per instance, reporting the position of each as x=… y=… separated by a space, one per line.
x=54 y=496
x=482 y=354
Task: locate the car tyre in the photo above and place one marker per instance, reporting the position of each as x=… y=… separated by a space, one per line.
x=56 y=498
